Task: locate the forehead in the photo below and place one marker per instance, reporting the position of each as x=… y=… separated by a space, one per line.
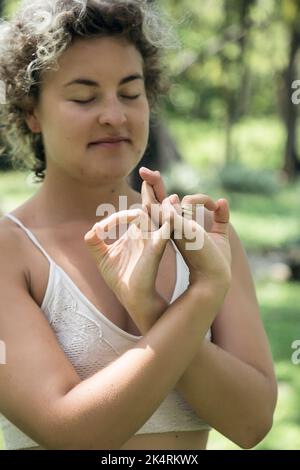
x=101 y=56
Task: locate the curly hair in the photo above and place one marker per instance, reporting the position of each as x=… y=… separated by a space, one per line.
x=32 y=41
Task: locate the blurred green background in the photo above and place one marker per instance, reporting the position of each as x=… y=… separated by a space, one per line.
x=231 y=118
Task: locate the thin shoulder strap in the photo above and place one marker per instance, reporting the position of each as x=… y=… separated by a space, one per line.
x=30 y=235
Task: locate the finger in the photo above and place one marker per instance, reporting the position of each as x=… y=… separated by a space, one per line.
x=121 y=217
x=204 y=199
x=98 y=248
x=193 y=207
x=186 y=231
x=102 y=230
x=221 y=218
x=150 y=203
x=175 y=201
x=155 y=180
x=144 y=223
x=161 y=238
x=171 y=215
x=148 y=196
x=91 y=238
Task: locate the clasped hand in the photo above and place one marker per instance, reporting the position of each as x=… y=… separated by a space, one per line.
x=130 y=264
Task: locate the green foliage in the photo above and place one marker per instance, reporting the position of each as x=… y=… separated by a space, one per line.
x=15 y=187
x=223 y=58
x=238 y=178
x=10 y=6
x=257 y=143
x=182 y=179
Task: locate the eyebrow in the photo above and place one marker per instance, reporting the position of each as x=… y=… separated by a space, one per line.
x=87 y=82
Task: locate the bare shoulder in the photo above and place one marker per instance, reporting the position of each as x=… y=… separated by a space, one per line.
x=11 y=240
x=12 y=249
x=36 y=372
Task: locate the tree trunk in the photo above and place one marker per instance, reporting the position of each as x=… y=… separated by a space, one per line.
x=2 y=2
x=236 y=99
x=160 y=154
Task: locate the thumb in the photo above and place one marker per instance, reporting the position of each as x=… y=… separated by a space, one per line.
x=221 y=218
x=96 y=245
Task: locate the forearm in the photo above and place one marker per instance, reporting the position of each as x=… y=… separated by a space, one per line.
x=147 y=312
x=105 y=410
x=232 y=396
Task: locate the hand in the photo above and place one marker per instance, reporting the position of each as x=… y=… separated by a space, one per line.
x=213 y=261
x=130 y=264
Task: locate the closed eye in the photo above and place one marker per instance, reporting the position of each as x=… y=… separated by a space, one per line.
x=84 y=102
x=131 y=97
x=92 y=99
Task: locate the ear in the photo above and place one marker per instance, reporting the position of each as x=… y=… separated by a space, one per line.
x=31 y=117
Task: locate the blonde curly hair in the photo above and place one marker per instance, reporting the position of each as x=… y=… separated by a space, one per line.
x=34 y=38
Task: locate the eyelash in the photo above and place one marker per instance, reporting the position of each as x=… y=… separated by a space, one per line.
x=89 y=101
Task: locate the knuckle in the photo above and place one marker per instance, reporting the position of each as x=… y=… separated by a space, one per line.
x=187 y=200
x=203 y=196
x=140 y=213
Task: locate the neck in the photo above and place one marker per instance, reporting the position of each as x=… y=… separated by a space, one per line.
x=65 y=200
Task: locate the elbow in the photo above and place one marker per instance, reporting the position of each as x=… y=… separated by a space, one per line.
x=254 y=435
x=263 y=421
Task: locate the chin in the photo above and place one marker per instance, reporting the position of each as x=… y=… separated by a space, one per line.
x=106 y=175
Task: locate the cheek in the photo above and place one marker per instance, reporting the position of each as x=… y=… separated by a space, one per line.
x=143 y=136
x=64 y=112
x=72 y=115
x=142 y=120
x=69 y=122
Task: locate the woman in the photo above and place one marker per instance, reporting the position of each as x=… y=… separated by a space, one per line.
x=108 y=337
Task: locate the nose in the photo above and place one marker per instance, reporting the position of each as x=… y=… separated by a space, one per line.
x=112 y=113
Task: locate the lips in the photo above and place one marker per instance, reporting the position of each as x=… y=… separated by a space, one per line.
x=110 y=140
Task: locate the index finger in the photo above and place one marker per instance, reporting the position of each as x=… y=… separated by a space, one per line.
x=155 y=180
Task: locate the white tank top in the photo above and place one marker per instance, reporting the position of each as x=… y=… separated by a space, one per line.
x=91 y=342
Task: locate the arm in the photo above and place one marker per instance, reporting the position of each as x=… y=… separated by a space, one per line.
x=239 y=364
x=231 y=383
x=42 y=393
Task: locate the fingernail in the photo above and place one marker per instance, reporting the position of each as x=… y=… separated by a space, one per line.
x=145 y=169
x=169 y=203
x=174 y=199
x=89 y=235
